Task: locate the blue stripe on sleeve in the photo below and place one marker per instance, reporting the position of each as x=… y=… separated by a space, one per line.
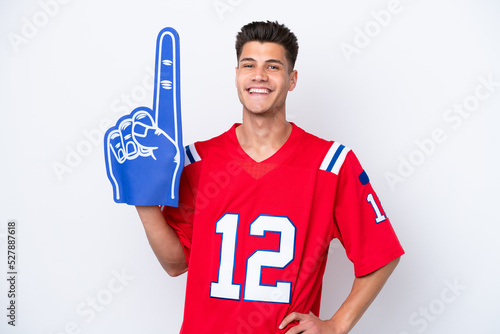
x=189 y=154
x=335 y=157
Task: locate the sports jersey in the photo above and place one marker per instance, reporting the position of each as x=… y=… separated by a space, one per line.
x=256 y=234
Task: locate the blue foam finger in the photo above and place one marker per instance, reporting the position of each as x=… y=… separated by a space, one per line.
x=167 y=94
x=143 y=152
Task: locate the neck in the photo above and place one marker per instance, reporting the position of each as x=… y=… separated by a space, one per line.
x=261 y=137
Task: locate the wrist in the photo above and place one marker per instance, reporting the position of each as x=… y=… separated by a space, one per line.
x=149 y=214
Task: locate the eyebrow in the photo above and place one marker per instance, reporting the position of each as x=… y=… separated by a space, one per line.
x=267 y=61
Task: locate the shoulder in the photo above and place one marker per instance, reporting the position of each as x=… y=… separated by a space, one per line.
x=335 y=157
x=330 y=154
x=197 y=151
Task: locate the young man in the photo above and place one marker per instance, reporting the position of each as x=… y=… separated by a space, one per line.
x=259 y=206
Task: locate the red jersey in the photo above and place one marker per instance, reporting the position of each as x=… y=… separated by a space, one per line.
x=256 y=234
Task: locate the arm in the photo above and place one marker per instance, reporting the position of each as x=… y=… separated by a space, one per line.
x=363 y=293
x=163 y=240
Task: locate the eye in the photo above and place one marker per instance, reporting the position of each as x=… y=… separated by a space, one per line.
x=273 y=67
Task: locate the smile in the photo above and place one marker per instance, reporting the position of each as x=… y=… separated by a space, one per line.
x=259 y=91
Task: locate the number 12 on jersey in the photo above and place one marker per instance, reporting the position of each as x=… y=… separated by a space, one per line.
x=254 y=290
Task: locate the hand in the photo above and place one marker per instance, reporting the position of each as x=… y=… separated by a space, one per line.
x=307 y=324
x=144 y=152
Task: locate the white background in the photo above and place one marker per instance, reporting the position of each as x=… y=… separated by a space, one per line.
x=70 y=69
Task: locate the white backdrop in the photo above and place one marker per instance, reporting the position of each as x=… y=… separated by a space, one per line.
x=412 y=86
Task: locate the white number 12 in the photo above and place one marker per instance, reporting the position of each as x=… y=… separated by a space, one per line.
x=254 y=290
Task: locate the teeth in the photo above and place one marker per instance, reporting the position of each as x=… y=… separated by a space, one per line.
x=259 y=90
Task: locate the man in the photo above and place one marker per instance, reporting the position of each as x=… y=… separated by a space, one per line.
x=259 y=206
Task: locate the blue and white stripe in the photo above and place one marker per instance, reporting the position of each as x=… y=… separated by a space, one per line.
x=334 y=158
x=191 y=155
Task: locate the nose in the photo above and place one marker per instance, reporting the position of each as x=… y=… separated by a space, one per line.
x=260 y=74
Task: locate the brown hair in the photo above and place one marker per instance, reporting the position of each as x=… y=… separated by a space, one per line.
x=272 y=32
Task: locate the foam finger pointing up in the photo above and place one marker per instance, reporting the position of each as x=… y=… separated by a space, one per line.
x=166 y=102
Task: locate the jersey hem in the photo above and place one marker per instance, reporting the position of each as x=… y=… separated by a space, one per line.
x=359 y=272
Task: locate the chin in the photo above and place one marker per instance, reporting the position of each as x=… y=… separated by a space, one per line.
x=258 y=111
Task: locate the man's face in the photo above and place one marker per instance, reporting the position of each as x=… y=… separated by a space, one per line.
x=264 y=77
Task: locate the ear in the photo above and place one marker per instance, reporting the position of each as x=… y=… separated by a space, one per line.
x=293 y=80
x=236 y=76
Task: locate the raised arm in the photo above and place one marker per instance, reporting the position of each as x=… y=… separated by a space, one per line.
x=363 y=293
x=163 y=240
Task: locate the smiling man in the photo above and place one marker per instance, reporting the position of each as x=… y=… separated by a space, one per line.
x=264 y=77
x=259 y=206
